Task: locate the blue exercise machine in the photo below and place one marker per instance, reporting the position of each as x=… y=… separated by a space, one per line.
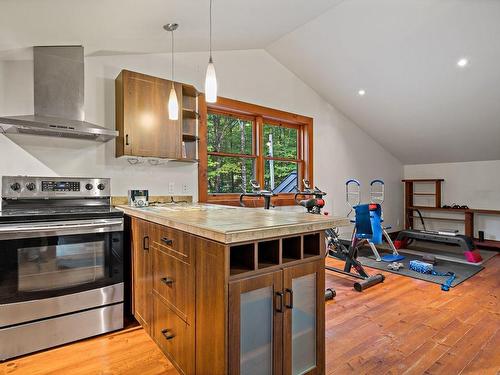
x=368 y=220
x=335 y=247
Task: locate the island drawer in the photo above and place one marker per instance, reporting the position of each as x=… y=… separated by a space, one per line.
x=174 y=337
x=174 y=242
x=174 y=282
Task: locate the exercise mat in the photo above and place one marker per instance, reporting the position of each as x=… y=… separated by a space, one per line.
x=461 y=270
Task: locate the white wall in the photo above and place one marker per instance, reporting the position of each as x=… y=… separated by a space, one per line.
x=475 y=184
x=341 y=149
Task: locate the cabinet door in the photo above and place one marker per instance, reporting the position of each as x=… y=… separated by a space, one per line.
x=142 y=274
x=304 y=332
x=147 y=130
x=255 y=325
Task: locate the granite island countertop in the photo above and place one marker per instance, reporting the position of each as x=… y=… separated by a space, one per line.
x=228 y=224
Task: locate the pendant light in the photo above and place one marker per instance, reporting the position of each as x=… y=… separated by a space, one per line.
x=173 y=102
x=210 y=78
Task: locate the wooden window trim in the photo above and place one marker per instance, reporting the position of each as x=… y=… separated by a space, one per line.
x=258 y=115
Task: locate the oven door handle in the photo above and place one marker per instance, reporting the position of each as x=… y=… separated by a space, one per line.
x=19 y=230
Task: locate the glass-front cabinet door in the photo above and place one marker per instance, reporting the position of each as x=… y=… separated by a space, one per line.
x=304 y=319
x=256 y=307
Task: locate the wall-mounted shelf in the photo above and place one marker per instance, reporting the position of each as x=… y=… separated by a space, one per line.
x=189 y=90
x=186 y=160
x=189 y=137
x=189 y=114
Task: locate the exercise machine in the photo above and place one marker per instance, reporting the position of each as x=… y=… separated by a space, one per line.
x=471 y=254
x=335 y=248
x=259 y=193
x=368 y=221
x=314 y=203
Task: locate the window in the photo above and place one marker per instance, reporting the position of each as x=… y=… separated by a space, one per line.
x=240 y=142
x=281 y=155
x=231 y=152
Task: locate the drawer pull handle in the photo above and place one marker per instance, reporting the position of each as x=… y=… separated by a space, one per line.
x=167 y=241
x=279 y=305
x=167 y=281
x=289 y=305
x=145 y=243
x=167 y=333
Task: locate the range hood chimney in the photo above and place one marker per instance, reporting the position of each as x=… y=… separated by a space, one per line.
x=59 y=98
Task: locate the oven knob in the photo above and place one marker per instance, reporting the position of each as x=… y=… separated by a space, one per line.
x=101 y=186
x=15 y=186
x=89 y=186
x=31 y=186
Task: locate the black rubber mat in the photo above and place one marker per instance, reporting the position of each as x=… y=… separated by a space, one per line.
x=461 y=270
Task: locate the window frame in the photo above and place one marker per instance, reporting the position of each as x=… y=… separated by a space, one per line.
x=260 y=116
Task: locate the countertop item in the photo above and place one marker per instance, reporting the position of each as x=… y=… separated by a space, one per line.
x=233 y=224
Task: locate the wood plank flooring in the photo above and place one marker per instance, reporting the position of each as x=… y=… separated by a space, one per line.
x=403 y=326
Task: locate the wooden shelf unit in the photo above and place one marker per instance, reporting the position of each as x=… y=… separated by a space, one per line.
x=255 y=256
x=468 y=213
x=190 y=121
x=142 y=118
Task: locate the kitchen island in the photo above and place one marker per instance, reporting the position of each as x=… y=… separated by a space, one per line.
x=229 y=290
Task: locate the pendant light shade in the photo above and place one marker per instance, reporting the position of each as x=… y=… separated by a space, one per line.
x=210 y=78
x=211 y=83
x=173 y=102
x=173 y=105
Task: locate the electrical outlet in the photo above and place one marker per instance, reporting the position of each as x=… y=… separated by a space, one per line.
x=398 y=222
x=171 y=187
x=185 y=188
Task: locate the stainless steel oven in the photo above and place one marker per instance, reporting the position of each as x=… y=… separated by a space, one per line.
x=61 y=271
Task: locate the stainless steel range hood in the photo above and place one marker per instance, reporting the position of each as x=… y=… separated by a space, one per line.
x=59 y=95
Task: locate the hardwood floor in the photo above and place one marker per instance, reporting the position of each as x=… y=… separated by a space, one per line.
x=403 y=326
x=408 y=326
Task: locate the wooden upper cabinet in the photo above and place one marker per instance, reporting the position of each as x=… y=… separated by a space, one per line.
x=142 y=117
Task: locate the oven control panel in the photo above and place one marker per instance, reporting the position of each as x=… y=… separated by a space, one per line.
x=14 y=187
x=60 y=185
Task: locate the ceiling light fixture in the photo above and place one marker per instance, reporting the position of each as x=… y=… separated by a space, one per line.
x=173 y=103
x=361 y=92
x=210 y=78
x=462 y=63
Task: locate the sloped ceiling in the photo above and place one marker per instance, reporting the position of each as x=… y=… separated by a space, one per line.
x=135 y=26
x=418 y=104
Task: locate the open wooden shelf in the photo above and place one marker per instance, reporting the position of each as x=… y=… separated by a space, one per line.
x=292 y=248
x=423 y=180
x=468 y=213
x=188 y=113
x=487 y=244
x=242 y=258
x=439 y=219
x=186 y=160
x=189 y=137
x=259 y=255
x=189 y=90
x=428 y=208
x=268 y=253
x=312 y=246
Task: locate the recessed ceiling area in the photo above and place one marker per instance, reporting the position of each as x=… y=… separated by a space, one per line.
x=429 y=70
